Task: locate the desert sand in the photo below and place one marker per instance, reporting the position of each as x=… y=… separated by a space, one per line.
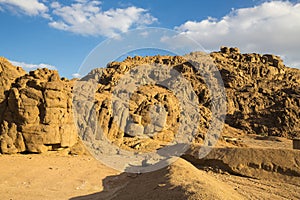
x=53 y=175
x=82 y=177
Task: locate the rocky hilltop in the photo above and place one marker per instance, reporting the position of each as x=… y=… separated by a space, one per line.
x=263 y=97
x=263 y=94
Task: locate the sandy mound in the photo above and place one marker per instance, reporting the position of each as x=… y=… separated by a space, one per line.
x=181 y=180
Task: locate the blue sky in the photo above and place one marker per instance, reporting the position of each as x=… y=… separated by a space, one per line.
x=60 y=34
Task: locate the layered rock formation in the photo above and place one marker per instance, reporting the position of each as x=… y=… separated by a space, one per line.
x=263 y=97
x=37 y=111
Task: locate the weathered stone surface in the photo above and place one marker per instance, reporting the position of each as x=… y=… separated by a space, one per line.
x=256 y=101
x=38 y=111
x=8 y=75
x=263 y=94
x=263 y=97
x=134 y=129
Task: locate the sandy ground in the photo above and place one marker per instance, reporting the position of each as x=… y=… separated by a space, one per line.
x=50 y=176
x=82 y=177
x=251 y=188
x=56 y=176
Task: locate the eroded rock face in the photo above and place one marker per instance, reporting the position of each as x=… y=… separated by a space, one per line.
x=149 y=123
x=38 y=114
x=8 y=75
x=263 y=97
x=152 y=118
x=10 y=140
x=263 y=94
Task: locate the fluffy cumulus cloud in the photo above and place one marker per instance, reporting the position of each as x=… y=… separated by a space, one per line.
x=84 y=17
x=29 y=7
x=271 y=27
x=87 y=18
x=29 y=67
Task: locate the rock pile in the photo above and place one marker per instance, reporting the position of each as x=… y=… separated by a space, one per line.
x=263 y=97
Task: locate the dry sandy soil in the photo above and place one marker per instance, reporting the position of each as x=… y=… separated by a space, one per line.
x=54 y=176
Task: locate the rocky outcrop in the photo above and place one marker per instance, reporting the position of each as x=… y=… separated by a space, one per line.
x=263 y=94
x=8 y=75
x=152 y=118
x=263 y=97
x=9 y=138
x=38 y=113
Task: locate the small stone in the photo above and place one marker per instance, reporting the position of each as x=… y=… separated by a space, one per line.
x=134 y=129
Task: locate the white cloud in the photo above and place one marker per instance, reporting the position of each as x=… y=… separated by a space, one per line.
x=29 y=7
x=272 y=27
x=84 y=17
x=76 y=75
x=29 y=67
x=88 y=18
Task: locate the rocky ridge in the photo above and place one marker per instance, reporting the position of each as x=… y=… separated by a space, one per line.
x=262 y=93
x=262 y=98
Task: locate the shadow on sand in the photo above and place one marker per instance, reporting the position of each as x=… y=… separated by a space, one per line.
x=146 y=186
